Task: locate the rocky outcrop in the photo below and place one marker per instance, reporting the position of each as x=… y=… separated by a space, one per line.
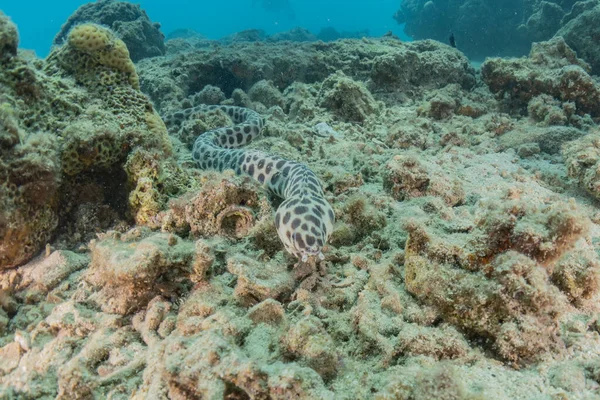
x=129 y=21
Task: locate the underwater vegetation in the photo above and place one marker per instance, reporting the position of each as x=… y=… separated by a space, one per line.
x=275 y=217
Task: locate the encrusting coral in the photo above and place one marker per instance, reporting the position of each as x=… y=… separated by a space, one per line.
x=129 y=21
x=55 y=130
x=29 y=168
x=104 y=49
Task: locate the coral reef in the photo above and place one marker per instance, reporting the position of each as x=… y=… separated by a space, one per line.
x=477 y=26
x=387 y=64
x=55 y=130
x=463 y=263
x=130 y=22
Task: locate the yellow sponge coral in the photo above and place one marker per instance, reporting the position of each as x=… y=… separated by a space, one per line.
x=89 y=37
x=105 y=48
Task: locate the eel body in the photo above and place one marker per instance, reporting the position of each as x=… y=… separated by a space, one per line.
x=304 y=220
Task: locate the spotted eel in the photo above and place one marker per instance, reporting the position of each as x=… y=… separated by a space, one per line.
x=304 y=220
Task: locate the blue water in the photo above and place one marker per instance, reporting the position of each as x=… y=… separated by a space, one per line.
x=40 y=20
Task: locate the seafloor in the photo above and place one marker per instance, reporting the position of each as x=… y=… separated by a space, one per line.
x=464 y=263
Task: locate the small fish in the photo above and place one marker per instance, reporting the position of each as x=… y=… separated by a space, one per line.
x=452 y=40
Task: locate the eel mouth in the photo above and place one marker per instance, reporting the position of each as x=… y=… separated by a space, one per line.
x=306 y=253
x=303 y=252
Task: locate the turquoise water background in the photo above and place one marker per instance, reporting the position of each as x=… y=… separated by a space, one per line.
x=39 y=21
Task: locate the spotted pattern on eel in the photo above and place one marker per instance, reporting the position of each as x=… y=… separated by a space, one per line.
x=304 y=220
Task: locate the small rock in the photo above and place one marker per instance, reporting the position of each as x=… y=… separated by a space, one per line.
x=324 y=130
x=10 y=356
x=269 y=312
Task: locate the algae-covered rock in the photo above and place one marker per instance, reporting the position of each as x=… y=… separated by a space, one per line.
x=29 y=198
x=582 y=157
x=268 y=311
x=265 y=92
x=442 y=382
x=495 y=283
x=129 y=21
x=77 y=112
x=308 y=340
x=581 y=33
x=552 y=68
x=550 y=111
x=347 y=99
x=258 y=282
x=125 y=270
x=383 y=65
x=208 y=95
x=210 y=365
x=29 y=166
x=406 y=177
x=577 y=274
x=152 y=180
x=223 y=207
x=362 y=218
x=9 y=37
x=46 y=272
x=77 y=377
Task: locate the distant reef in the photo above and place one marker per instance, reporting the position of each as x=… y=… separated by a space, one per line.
x=482 y=28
